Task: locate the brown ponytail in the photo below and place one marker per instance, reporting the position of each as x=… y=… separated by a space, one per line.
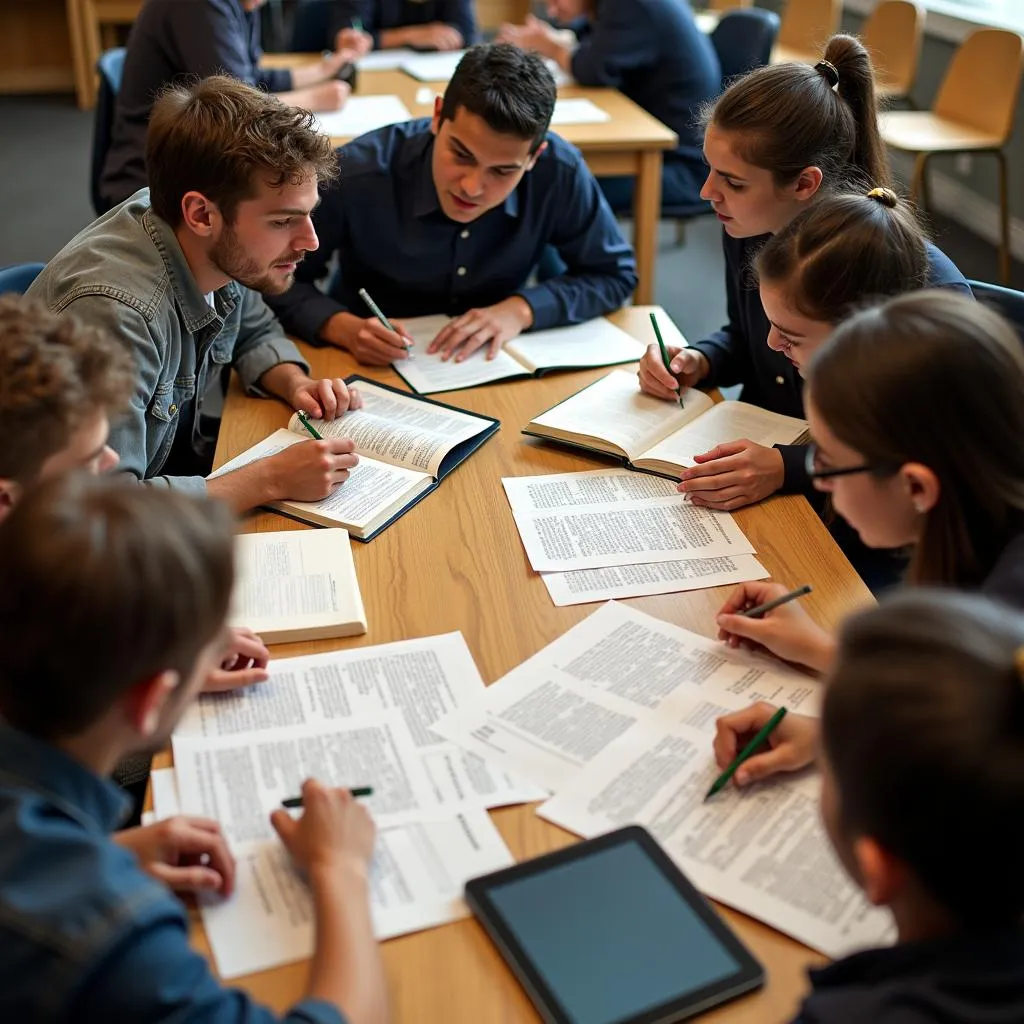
x=790 y=116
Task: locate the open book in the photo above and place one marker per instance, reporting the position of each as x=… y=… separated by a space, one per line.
x=297 y=585
x=615 y=417
x=406 y=445
x=593 y=343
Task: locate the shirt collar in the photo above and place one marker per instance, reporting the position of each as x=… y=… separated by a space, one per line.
x=29 y=763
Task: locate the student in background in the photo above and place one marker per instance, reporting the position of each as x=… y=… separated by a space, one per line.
x=451 y=216
x=652 y=51
x=916 y=408
x=172 y=41
x=175 y=273
x=366 y=25
x=922 y=756
x=84 y=932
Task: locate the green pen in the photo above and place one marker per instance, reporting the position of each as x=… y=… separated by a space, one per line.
x=296 y=801
x=357 y=24
x=746 y=753
x=309 y=426
x=664 y=354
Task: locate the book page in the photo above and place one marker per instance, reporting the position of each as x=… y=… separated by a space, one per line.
x=294 y=581
x=727 y=421
x=276 y=442
x=583 y=586
x=555 y=713
x=361 y=114
x=762 y=849
x=596 y=342
x=417 y=876
x=616 y=410
x=626 y=532
x=422 y=679
x=401 y=431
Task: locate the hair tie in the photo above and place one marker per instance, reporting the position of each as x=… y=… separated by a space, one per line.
x=885 y=196
x=828 y=71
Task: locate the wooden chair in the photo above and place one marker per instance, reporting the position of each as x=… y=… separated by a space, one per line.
x=93 y=26
x=892 y=34
x=973 y=113
x=806 y=25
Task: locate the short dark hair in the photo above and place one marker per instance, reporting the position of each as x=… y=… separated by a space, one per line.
x=923 y=729
x=512 y=90
x=55 y=372
x=106 y=583
x=219 y=136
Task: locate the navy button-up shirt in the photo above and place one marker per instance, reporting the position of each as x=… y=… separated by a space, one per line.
x=376 y=15
x=383 y=219
x=84 y=933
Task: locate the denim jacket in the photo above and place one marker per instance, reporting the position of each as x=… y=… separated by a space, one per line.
x=126 y=273
x=84 y=934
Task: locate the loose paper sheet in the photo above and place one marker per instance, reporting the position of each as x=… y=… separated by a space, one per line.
x=384 y=60
x=439 y=67
x=578 y=111
x=361 y=114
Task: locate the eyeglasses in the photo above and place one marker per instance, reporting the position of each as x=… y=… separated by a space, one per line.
x=818 y=472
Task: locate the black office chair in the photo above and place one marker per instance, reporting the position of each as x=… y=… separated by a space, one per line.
x=17 y=278
x=1003 y=300
x=111 y=69
x=311 y=26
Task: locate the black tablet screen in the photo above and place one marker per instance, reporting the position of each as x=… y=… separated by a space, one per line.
x=610 y=935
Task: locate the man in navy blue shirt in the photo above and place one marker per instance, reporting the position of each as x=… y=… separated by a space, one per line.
x=452 y=215
x=387 y=24
x=174 y=39
x=651 y=50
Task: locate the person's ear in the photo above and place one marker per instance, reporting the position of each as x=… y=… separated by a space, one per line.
x=145 y=701
x=200 y=215
x=808 y=183
x=10 y=492
x=435 y=121
x=536 y=155
x=882 y=876
x=923 y=486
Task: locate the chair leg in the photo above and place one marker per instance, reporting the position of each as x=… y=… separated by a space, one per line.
x=1004 y=220
x=680 y=232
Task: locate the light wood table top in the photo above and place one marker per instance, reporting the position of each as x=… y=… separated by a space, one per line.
x=456 y=562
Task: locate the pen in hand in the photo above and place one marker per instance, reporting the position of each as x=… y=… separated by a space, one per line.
x=746 y=753
x=759 y=611
x=664 y=355
x=304 y=420
x=378 y=313
x=296 y=801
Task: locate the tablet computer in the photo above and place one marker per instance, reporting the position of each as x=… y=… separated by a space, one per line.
x=609 y=931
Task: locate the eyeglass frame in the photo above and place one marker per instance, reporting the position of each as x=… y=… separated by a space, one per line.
x=828 y=474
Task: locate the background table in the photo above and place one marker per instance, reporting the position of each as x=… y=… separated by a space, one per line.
x=456 y=562
x=630 y=144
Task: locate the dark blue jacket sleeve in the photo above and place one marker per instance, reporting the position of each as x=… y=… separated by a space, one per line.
x=622 y=38
x=459 y=14
x=794 y=462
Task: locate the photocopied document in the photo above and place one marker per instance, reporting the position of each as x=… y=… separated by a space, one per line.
x=621 y=531
x=416 y=879
x=584 y=586
x=422 y=679
x=361 y=114
x=762 y=849
x=618 y=668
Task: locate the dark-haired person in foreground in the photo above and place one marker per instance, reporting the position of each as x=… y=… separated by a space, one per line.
x=451 y=215
x=85 y=933
x=175 y=272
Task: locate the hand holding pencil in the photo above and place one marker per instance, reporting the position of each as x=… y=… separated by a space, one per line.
x=788 y=747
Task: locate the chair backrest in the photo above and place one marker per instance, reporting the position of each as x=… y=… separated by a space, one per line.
x=311 y=26
x=743 y=41
x=1003 y=300
x=807 y=24
x=892 y=34
x=982 y=83
x=729 y=5
x=111 y=69
x=18 y=277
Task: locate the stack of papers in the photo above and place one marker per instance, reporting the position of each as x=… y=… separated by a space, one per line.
x=361 y=717
x=617 y=718
x=614 y=533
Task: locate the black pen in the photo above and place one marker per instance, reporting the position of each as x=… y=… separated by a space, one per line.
x=762 y=609
x=296 y=801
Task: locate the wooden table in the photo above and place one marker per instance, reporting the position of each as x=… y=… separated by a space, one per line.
x=630 y=144
x=456 y=562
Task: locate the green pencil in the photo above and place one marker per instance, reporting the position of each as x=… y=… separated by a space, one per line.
x=296 y=801
x=746 y=753
x=309 y=426
x=664 y=354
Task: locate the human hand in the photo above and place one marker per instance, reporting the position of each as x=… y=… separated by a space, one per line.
x=353 y=40
x=310 y=470
x=689 y=368
x=533 y=34
x=186 y=854
x=244 y=663
x=732 y=475
x=332 y=63
x=435 y=35
x=791 y=744
x=323 y=399
x=326 y=96
x=368 y=340
x=491 y=326
x=334 y=828
x=788 y=631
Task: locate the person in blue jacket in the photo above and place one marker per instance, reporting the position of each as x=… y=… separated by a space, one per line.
x=387 y=24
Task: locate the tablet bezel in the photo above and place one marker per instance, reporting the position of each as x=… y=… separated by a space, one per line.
x=750 y=974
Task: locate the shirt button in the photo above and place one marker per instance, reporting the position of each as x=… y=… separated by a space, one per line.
x=172 y=409
x=461 y=271
x=780 y=380
x=464 y=233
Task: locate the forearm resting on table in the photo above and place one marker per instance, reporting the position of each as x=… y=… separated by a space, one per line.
x=245 y=488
